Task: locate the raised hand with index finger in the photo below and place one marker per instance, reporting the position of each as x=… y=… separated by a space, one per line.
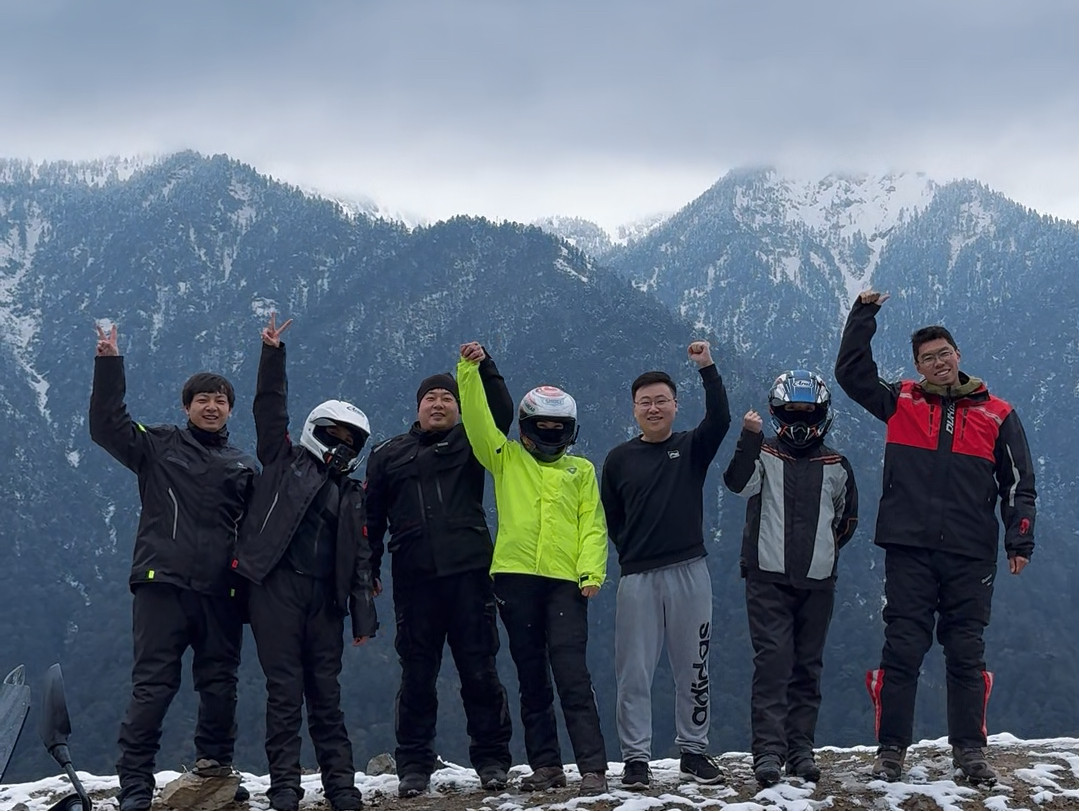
x=271 y=333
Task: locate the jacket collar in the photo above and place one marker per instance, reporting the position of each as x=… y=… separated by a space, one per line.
x=967 y=386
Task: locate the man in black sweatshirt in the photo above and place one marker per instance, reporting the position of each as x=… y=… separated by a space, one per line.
x=652 y=492
x=426 y=486
x=304 y=549
x=194 y=487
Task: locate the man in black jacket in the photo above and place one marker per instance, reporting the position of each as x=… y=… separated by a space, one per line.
x=427 y=487
x=303 y=548
x=194 y=487
x=952 y=450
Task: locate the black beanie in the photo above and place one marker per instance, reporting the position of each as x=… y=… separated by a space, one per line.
x=440 y=381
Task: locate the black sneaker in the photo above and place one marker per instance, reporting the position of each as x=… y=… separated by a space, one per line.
x=413 y=784
x=768 y=769
x=242 y=795
x=702 y=768
x=889 y=763
x=636 y=776
x=804 y=766
x=493 y=778
x=972 y=762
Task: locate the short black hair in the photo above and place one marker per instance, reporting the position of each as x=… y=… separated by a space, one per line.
x=927 y=334
x=648 y=378
x=207 y=383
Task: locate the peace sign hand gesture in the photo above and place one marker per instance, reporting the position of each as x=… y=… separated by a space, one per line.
x=106 y=342
x=271 y=333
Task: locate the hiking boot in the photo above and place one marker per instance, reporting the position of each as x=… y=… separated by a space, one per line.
x=702 y=768
x=636 y=776
x=768 y=769
x=889 y=763
x=804 y=766
x=493 y=778
x=285 y=799
x=135 y=795
x=593 y=783
x=971 y=761
x=135 y=803
x=346 y=798
x=413 y=784
x=543 y=778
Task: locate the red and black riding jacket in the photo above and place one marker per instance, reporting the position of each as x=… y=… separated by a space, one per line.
x=947 y=460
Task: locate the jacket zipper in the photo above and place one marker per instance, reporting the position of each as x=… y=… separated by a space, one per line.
x=175 y=512
x=423 y=505
x=438 y=488
x=266 y=520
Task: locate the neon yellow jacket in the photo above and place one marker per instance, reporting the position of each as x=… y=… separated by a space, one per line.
x=550 y=520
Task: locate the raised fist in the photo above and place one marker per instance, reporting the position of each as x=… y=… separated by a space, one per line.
x=872 y=297
x=473 y=352
x=752 y=422
x=700 y=353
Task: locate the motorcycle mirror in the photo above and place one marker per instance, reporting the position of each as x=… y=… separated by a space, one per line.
x=55 y=722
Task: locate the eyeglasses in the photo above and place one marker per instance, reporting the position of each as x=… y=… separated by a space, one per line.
x=659 y=402
x=932 y=357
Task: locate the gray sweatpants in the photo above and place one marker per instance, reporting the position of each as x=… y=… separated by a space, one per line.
x=672 y=605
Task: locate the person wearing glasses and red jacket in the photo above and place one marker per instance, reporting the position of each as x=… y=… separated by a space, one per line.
x=952 y=451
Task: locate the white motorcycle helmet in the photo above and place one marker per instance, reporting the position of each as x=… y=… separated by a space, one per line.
x=548 y=404
x=339 y=455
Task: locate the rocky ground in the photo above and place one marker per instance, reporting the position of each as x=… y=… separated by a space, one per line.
x=1041 y=775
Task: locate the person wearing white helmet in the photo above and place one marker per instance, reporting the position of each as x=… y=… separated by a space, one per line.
x=304 y=549
x=550 y=557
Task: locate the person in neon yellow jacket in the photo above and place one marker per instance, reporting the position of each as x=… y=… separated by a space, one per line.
x=550 y=557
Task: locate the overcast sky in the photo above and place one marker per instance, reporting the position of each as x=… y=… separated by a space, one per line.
x=608 y=110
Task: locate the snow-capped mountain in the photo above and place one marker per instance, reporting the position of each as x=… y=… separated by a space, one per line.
x=595 y=240
x=189 y=254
